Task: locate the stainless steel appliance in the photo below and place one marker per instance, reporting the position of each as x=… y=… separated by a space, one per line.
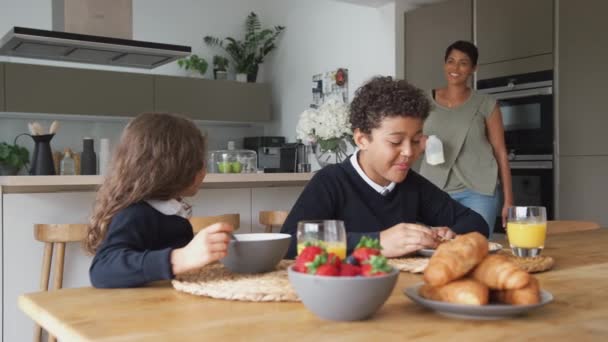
x=526 y=103
x=268 y=149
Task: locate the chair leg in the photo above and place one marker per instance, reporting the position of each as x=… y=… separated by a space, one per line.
x=44 y=281
x=268 y=229
x=58 y=274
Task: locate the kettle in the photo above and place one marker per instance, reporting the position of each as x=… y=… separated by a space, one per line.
x=302 y=162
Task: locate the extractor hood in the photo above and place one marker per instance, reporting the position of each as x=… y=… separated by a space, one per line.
x=83 y=48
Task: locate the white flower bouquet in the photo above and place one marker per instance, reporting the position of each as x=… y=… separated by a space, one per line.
x=327 y=125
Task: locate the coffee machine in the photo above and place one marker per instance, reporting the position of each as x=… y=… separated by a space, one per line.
x=294 y=157
x=268 y=150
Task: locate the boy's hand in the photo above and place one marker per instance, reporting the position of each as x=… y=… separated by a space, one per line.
x=405 y=238
x=444 y=233
x=209 y=245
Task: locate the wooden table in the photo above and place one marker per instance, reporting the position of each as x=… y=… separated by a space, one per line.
x=579 y=282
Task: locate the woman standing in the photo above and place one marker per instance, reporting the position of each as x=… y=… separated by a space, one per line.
x=471 y=130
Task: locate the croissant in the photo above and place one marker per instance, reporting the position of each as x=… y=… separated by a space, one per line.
x=455 y=258
x=500 y=273
x=462 y=291
x=529 y=294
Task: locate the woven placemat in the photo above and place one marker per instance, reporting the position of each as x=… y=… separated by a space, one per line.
x=412 y=265
x=216 y=281
x=536 y=264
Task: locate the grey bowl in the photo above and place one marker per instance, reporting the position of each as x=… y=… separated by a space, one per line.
x=256 y=253
x=343 y=298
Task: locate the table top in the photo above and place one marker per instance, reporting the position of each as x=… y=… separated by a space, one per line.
x=578 y=282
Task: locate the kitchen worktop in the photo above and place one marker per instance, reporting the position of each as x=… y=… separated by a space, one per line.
x=29 y=184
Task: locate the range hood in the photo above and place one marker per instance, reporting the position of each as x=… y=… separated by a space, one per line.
x=83 y=48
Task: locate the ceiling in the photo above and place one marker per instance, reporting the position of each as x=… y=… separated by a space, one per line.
x=379 y=3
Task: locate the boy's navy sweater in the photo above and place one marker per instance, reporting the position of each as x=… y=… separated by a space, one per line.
x=338 y=192
x=137 y=247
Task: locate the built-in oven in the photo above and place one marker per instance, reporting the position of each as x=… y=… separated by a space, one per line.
x=526 y=104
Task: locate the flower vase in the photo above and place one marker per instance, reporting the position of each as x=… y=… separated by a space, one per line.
x=330 y=151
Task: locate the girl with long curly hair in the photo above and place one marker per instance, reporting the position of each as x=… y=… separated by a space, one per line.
x=374 y=191
x=139 y=230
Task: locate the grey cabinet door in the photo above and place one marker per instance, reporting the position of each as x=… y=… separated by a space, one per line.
x=2 y=109
x=582 y=71
x=511 y=29
x=213 y=100
x=428 y=32
x=583 y=188
x=48 y=89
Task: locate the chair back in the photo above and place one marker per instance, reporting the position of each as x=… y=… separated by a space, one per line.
x=200 y=222
x=272 y=218
x=558 y=227
x=55 y=235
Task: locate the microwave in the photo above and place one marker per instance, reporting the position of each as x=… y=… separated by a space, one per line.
x=526 y=104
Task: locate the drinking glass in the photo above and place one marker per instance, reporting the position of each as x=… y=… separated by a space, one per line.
x=527 y=230
x=326 y=233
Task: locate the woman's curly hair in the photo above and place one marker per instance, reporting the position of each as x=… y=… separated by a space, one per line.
x=383 y=97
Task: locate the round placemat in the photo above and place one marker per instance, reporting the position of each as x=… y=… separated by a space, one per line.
x=412 y=265
x=536 y=264
x=216 y=281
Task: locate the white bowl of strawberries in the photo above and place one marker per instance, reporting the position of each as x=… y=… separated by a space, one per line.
x=343 y=290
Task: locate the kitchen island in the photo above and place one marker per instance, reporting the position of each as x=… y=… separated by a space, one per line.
x=27 y=200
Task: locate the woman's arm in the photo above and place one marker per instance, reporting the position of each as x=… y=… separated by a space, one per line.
x=496 y=136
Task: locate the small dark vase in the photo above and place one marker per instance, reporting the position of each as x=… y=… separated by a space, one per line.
x=252 y=75
x=88 y=159
x=42 y=159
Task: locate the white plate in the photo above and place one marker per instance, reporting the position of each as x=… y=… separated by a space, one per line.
x=480 y=312
x=428 y=252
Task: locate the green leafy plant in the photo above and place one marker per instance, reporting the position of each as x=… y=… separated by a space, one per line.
x=13 y=157
x=220 y=63
x=249 y=52
x=194 y=62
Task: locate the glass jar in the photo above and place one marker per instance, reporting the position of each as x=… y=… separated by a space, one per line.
x=233 y=160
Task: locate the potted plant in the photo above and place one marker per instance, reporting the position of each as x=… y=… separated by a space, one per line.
x=194 y=63
x=220 y=65
x=248 y=53
x=12 y=158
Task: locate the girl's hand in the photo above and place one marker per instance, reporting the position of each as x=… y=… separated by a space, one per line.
x=505 y=208
x=209 y=245
x=405 y=238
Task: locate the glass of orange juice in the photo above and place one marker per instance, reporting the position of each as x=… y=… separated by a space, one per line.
x=329 y=234
x=527 y=230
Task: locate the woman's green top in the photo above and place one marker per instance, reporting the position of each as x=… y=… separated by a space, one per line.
x=469 y=158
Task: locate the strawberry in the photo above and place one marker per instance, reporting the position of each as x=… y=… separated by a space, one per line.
x=366 y=248
x=348 y=270
x=307 y=255
x=325 y=265
x=376 y=265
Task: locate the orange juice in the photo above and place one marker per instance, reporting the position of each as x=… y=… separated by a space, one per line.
x=338 y=248
x=527 y=234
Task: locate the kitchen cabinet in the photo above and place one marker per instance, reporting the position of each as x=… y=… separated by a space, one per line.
x=50 y=89
x=513 y=29
x=429 y=31
x=2 y=87
x=581 y=86
x=583 y=188
x=213 y=100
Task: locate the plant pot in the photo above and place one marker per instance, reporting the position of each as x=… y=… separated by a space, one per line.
x=241 y=77
x=220 y=74
x=8 y=170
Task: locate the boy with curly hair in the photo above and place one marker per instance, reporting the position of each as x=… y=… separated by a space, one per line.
x=374 y=191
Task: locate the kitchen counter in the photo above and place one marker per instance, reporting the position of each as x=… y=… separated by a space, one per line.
x=45 y=184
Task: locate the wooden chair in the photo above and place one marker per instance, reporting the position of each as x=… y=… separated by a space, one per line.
x=270 y=219
x=201 y=222
x=55 y=235
x=558 y=227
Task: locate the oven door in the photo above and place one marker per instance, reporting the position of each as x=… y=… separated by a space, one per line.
x=527 y=116
x=532 y=184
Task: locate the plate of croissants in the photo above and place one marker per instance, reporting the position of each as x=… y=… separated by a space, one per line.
x=463 y=280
